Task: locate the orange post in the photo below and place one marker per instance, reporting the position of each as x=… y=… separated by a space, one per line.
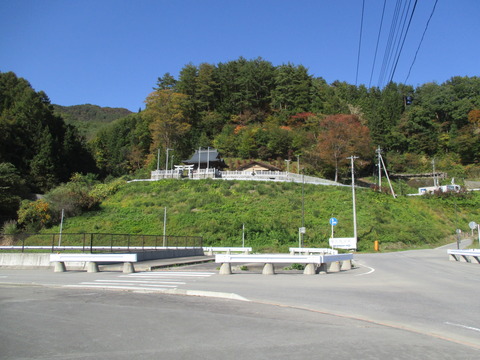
x=375 y=245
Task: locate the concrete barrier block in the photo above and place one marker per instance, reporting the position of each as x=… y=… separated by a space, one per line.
x=474 y=260
x=225 y=269
x=59 y=267
x=346 y=265
x=463 y=258
x=128 y=268
x=268 y=269
x=452 y=257
x=92 y=267
x=334 y=266
x=309 y=269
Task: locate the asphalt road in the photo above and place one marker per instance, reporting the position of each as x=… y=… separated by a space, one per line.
x=404 y=305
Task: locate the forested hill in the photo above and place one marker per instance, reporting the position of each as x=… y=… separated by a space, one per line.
x=247 y=109
x=89 y=118
x=252 y=109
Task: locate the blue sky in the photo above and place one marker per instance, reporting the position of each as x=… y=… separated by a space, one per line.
x=111 y=52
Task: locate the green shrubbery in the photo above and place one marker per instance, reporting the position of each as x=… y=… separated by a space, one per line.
x=82 y=194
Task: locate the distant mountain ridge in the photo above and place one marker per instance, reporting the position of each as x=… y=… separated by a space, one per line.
x=89 y=118
x=88 y=113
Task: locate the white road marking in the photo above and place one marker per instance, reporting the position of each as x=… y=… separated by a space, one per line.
x=126 y=284
x=144 y=282
x=153 y=281
x=168 y=274
x=369 y=272
x=463 y=326
x=117 y=287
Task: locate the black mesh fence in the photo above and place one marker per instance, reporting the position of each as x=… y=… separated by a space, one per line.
x=95 y=242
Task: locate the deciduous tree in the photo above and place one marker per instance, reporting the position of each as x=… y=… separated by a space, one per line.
x=166 y=115
x=342 y=136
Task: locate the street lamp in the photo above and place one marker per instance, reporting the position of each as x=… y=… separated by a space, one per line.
x=352 y=158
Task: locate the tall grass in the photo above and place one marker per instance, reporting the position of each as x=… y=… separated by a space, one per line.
x=272 y=214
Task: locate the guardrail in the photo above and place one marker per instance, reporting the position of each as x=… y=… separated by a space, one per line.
x=312 y=262
x=95 y=242
x=470 y=256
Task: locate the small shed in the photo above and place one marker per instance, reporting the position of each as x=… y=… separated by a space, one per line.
x=206 y=159
x=257 y=166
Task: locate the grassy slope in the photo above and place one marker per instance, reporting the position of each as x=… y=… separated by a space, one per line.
x=272 y=213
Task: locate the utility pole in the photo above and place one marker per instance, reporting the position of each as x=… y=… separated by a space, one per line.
x=379 y=152
x=388 y=178
x=352 y=158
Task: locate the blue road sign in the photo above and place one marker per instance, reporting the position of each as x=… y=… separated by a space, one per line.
x=333 y=221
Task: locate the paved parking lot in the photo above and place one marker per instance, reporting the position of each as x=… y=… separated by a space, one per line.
x=413 y=304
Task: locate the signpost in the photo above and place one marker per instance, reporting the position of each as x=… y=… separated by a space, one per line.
x=343 y=243
x=333 y=221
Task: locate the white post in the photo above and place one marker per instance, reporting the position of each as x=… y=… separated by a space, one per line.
x=165 y=227
x=288 y=165
x=379 y=170
x=61 y=227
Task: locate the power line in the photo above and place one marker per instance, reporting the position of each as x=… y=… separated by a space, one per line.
x=398 y=37
x=360 y=42
x=404 y=38
x=391 y=36
x=378 y=40
x=420 y=44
